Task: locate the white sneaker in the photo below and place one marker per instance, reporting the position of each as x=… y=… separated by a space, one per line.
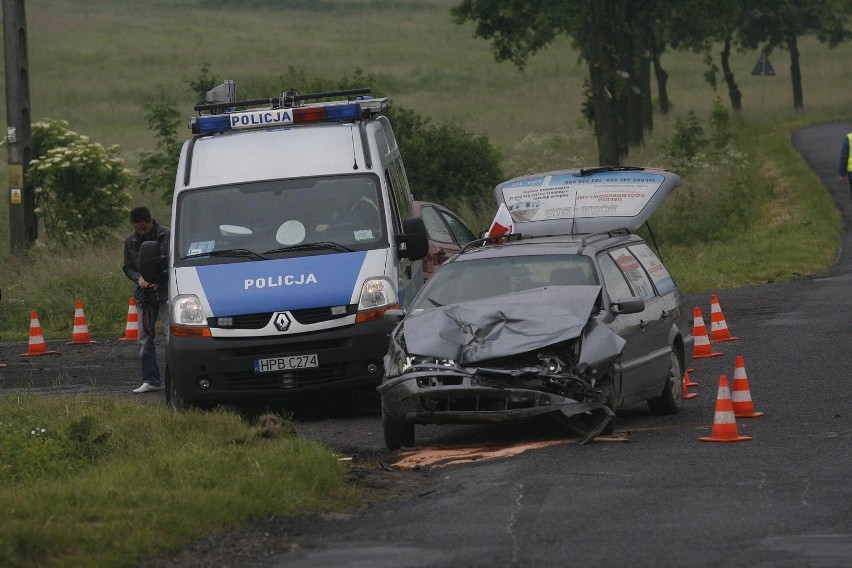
x=148 y=387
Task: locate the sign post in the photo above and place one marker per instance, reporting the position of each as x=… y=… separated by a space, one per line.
x=23 y=228
x=763 y=68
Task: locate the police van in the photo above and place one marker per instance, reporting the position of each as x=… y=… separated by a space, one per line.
x=292 y=234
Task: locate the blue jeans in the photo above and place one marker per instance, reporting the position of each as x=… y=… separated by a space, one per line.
x=147 y=349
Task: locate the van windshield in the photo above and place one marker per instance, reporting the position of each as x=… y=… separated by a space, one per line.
x=278 y=218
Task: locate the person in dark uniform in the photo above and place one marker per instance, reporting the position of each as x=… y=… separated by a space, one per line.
x=152 y=298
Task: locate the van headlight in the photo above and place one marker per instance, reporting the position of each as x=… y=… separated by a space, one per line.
x=378 y=295
x=187 y=311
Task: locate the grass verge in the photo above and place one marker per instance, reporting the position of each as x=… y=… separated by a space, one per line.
x=92 y=482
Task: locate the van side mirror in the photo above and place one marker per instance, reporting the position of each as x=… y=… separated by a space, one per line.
x=153 y=263
x=628 y=306
x=413 y=244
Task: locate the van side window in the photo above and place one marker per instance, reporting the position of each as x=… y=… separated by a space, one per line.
x=395 y=213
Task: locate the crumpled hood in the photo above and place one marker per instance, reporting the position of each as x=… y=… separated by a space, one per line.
x=514 y=323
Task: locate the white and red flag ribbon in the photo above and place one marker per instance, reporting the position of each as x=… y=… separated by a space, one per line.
x=502 y=224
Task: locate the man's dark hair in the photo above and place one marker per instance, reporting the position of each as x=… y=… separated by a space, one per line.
x=140 y=214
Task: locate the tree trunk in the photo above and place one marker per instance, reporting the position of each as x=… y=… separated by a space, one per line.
x=629 y=112
x=645 y=82
x=795 y=70
x=662 y=84
x=733 y=90
x=601 y=73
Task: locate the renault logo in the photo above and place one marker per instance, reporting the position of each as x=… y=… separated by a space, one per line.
x=281 y=321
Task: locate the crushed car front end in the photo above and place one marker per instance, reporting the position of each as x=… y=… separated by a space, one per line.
x=501 y=359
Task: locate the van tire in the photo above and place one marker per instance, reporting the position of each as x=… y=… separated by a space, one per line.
x=173 y=398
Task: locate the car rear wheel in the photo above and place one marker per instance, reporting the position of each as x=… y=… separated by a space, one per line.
x=398 y=432
x=670 y=401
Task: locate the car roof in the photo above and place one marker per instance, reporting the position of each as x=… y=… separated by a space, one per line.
x=523 y=245
x=585 y=200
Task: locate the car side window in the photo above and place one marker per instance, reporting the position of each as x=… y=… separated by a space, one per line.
x=461 y=232
x=436 y=228
x=633 y=273
x=654 y=267
x=616 y=285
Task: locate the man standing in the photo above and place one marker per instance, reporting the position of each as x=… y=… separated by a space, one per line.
x=151 y=297
x=845 y=167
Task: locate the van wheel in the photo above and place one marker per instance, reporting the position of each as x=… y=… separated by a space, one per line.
x=173 y=398
x=398 y=432
x=671 y=400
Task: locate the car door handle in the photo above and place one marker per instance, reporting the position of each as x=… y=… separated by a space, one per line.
x=408 y=271
x=442 y=252
x=664 y=315
x=643 y=324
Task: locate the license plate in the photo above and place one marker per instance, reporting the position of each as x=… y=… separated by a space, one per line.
x=286 y=363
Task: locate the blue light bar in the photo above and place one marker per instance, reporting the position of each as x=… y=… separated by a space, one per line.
x=260 y=118
x=335 y=113
x=210 y=124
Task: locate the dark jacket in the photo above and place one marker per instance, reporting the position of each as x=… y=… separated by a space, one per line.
x=133 y=268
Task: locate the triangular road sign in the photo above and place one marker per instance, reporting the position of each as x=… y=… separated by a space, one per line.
x=763 y=66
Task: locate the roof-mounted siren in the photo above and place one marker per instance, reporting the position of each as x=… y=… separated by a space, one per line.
x=290 y=98
x=224 y=93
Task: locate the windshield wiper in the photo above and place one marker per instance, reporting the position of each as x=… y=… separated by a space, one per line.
x=329 y=245
x=434 y=303
x=227 y=252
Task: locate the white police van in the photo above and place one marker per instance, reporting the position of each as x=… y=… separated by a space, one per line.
x=291 y=236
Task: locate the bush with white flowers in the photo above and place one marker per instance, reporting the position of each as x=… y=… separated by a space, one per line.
x=80 y=186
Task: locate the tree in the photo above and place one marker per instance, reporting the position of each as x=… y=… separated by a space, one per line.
x=444 y=162
x=780 y=23
x=616 y=37
x=158 y=168
x=699 y=26
x=80 y=186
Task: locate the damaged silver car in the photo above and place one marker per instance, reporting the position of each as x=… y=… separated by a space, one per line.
x=549 y=320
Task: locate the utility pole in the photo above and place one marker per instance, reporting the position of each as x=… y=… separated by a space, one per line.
x=23 y=225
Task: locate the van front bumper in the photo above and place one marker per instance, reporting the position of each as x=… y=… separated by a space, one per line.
x=211 y=370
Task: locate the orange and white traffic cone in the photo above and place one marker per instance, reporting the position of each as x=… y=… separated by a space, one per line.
x=131 y=331
x=80 y=334
x=724 y=422
x=718 y=326
x=741 y=394
x=37 y=345
x=701 y=349
x=685 y=388
x=689 y=381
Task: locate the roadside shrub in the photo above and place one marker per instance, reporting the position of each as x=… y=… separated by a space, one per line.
x=158 y=168
x=80 y=186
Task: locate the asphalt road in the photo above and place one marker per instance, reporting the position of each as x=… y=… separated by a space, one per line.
x=663 y=499
x=659 y=498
